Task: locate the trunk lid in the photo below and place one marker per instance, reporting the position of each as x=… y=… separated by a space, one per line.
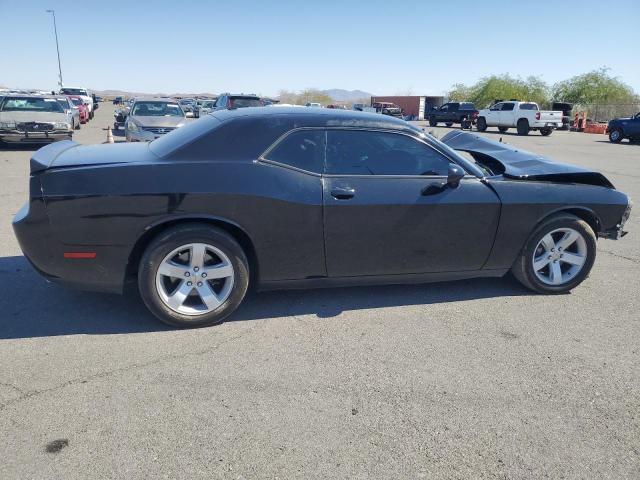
x=69 y=154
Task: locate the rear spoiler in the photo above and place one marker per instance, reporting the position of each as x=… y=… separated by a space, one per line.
x=512 y=162
x=44 y=157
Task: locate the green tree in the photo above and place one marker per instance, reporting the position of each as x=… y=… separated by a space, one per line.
x=494 y=87
x=596 y=87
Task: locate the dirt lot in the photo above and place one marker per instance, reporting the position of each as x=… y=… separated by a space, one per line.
x=473 y=379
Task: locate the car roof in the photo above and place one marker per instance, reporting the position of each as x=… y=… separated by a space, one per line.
x=321 y=117
x=155 y=99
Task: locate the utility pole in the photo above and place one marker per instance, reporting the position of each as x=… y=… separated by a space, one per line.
x=55 y=29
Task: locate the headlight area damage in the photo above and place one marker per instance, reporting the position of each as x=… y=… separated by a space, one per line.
x=514 y=163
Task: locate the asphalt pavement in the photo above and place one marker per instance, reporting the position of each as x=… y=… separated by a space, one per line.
x=471 y=379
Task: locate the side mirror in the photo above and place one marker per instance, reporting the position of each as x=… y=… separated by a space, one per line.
x=454 y=175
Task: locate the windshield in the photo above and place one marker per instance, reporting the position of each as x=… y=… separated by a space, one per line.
x=245 y=102
x=77 y=101
x=31 y=104
x=157 y=109
x=187 y=101
x=64 y=103
x=74 y=91
x=208 y=104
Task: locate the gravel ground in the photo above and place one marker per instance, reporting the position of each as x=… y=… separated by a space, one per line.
x=473 y=379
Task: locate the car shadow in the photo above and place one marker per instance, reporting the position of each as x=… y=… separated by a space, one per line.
x=623 y=142
x=31 y=307
x=21 y=147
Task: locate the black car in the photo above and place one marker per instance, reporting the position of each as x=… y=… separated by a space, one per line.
x=566 y=109
x=294 y=197
x=452 y=112
x=620 y=128
x=239 y=100
x=388 y=108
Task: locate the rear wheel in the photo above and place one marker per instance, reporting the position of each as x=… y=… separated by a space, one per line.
x=523 y=126
x=558 y=256
x=481 y=124
x=432 y=122
x=545 y=132
x=503 y=129
x=448 y=124
x=615 y=135
x=193 y=276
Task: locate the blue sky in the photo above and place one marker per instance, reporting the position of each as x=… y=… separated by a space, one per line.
x=384 y=47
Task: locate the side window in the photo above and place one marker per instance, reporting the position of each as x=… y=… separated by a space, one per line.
x=358 y=152
x=221 y=101
x=302 y=149
x=455 y=106
x=444 y=108
x=496 y=107
x=507 y=107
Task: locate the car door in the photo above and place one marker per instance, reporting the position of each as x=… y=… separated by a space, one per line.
x=387 y=211
x=443 y=113
x=453 y=112
x=506 y=115
x=633 y=129
x=493 y=116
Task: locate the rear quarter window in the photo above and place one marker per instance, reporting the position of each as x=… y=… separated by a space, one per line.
x=528 y=106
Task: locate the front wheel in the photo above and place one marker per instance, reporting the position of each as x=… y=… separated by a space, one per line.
x=503 y=129
x=432 y=122
x=615 y=136
x=193 y=275
x=481 y=124
x=558 y=255
x=545 y=132
x=448 y=124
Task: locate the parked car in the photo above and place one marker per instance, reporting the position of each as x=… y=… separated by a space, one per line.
x=524 y=116
x=95 y=102
x=299 y=197
x=83 y=111
x=71 y=110
x=151 y=118
x=33 y=119
x=388 y=108
x=118 y=100
x=206 y=107
x=313 y=105
x=566 y=109
x=336 y=106
x=82 y=93
x=121 y=113
x=453 y=112
x=188 y=106
x=228 y=101
x=620 y=128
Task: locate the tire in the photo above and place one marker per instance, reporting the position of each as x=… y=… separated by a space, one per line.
x=545 y=132
x=503 y=129
x=432 y=122
x=523 y=126
x=448 y=124
x=191 y=311
x=481 y=124
x=542 y=280
x=615 y=135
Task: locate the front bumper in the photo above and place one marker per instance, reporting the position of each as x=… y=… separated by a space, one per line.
x=618 y=231
x=141 y=136
x=16 y=136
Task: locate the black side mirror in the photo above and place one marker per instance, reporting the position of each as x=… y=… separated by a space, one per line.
x=454 y=175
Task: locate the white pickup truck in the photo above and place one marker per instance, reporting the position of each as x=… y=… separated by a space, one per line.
x=524 y=116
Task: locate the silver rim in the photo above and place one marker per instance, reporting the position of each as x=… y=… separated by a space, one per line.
x=194 y=279
x=559 y=256
x=615 y=135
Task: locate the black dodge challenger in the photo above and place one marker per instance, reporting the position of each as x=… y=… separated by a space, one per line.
x=291 y=197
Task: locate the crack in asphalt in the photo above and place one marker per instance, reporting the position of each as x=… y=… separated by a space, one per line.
x=35 y=393
x=631 y=259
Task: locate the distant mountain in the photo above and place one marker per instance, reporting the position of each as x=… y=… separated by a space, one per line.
x=340 y=95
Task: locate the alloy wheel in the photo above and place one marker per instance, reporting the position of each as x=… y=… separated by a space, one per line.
x=559 y=256
x=195 y=279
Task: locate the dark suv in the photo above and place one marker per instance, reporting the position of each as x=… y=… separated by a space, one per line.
x=620 y=128
x=228 y=100
x=453 y=112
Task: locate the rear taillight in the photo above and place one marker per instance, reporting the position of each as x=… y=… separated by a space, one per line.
x=537 y=115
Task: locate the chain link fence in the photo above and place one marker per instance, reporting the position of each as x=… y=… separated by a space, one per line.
x=604 y=112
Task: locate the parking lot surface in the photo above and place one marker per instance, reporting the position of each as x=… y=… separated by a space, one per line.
x=472 y=379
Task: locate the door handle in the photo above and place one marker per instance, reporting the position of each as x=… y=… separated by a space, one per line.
x=343 y=193
x=433 y=189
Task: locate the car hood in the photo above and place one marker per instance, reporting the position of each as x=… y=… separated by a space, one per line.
x=33 y=117
x=512 y=162
x=154 y=121
x=69 y=154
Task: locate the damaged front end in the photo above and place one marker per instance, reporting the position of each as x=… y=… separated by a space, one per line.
x=502 y=159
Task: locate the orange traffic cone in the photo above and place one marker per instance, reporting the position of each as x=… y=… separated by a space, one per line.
x=109 y=135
